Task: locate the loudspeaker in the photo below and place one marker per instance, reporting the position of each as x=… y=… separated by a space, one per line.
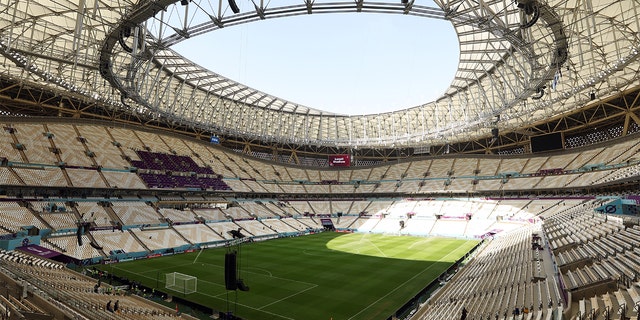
x=230 y=271
x=79 y=235
x=242 y=286
x=495 y=132
x=104 y=67
x=234 y=6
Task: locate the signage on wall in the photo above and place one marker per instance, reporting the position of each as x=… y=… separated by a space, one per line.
x=340 y=160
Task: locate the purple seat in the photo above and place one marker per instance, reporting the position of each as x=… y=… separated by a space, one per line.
x=177 y=165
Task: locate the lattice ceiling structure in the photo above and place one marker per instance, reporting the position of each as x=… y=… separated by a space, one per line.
x=520 y=62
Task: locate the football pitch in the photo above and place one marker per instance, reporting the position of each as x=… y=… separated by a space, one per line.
x=323 y=276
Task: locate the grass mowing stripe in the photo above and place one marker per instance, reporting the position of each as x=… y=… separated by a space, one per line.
x=247 y=306
x=148 y=277
x=396 y=288
x=218 y=296
x=312 y=277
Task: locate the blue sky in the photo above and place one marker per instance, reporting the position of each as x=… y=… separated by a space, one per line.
x=346 y=63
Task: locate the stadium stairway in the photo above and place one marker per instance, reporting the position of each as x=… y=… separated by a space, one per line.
x=96 y=245
x=113 y=216
x=135 y=236
x=29 y=207
x=616 y=304
x=213 y=230
x=181 y=235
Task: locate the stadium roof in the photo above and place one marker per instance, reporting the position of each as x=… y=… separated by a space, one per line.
x=520 y=62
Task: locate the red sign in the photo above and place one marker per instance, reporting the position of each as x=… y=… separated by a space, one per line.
x=340 y=160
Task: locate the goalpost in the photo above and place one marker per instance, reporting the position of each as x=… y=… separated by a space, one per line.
x=181 y=282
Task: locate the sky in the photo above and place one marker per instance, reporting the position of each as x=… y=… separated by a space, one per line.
x=347 y=63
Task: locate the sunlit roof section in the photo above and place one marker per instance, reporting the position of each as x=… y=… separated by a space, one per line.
x=520 y=62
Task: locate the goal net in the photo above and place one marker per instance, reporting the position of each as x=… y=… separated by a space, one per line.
x=180 y=282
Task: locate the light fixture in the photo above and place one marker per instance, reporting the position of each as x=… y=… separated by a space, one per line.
x=495 y=132
x=530 y=8
x=234 y=6
x=539 y=93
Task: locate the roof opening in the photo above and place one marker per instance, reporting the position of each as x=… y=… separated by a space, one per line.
x=342 y=63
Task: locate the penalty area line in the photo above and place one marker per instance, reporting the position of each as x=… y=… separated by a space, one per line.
x=289 y=296
x=247 y=306
x=219 y=298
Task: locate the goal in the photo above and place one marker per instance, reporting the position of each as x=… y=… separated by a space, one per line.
x=181 y=282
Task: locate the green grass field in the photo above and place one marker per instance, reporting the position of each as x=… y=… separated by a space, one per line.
x=324 y=276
